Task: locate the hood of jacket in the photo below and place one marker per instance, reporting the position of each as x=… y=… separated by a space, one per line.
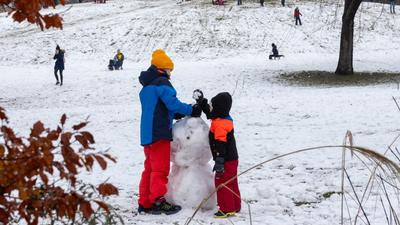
x=147 y=77
x=221 y=105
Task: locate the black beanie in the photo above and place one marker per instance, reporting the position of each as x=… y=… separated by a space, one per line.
x=221 y=105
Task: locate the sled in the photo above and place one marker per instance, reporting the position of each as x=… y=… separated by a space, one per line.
x=275 y=57
x=112 y=65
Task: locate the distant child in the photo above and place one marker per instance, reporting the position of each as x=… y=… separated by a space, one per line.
x=59 y=64
x=392 y=5
x=275 y=52
x=224 y=152
x=116 y=63
x=118 y=60
x=297 y=15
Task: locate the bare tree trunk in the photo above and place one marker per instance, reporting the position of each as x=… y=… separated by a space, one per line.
x=345 y=64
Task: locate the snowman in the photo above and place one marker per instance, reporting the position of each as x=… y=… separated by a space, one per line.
x=191 y=179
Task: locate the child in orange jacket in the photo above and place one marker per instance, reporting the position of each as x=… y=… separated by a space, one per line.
x=224 y=152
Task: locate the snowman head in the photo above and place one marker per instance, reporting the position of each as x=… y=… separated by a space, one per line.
x=190 y=144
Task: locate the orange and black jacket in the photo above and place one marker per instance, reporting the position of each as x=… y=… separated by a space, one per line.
x=222 y=139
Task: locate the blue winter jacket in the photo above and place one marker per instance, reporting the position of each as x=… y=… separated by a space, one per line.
x=159 y=105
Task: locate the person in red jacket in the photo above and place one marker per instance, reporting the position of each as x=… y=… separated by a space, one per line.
x=224 y=152
x=297 y=15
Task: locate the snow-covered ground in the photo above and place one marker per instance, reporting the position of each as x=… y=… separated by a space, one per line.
x=215 y=49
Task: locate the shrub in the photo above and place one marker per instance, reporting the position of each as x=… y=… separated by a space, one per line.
x=38 y=175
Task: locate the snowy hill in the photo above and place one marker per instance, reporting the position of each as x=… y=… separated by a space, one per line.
x=215 y=48
x=198 y=30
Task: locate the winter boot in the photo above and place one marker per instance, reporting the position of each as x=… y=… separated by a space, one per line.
x=222 y=215
x=162 y=206
x=143 y=210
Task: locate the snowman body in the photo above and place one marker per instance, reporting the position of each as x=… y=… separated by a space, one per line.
x=191 y=179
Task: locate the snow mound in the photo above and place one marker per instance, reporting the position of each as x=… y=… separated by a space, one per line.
x=191 y=179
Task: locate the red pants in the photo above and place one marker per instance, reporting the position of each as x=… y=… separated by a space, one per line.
x=155 y=174
x=228 y=201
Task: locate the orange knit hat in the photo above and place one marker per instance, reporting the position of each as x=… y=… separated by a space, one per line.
x=161 y=60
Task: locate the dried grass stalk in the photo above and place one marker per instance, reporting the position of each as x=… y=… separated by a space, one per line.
x=382 y=162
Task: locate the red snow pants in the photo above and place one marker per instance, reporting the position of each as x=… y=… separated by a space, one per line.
x=154 y=181
x=228 y=200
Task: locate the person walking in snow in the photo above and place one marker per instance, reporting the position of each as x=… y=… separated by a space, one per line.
x=159 y=105
x=224 y=152
x=239 y=2
x=59 y=64
x=297 y=15
x=262 y=3
x=392 y=5
x=283 y=2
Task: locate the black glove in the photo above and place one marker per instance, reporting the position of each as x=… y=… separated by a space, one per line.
x=205 y=107
x=178 y=116
x=196 y=110
x=198 y=95
x=219 y=165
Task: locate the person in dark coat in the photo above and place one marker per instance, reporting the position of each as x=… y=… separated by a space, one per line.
x=262 y=2
x=159 y=107
x=283 y=2
x=297 y=15
x=392 y=5
x=274 y=50
x=239 y=2
x=59 y=65
x=224 y=152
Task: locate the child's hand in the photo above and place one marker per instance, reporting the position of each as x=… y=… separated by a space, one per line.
x=218 y=175
x=198 y=95
x=178 y=116
x=204 y=103
x=196 y=110
x=219 y=165
x=205 y=107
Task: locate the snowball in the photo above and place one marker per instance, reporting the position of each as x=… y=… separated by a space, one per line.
x=191 y=179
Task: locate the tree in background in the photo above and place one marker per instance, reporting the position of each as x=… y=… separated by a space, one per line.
x=29 y=10
x=345 y=64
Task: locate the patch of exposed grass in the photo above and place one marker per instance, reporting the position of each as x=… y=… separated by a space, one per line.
x=324 y=78
x=300 y=203
x=330 y=193
x=325 y=195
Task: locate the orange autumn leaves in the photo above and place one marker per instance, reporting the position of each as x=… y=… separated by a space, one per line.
x=38 y=174
x=29 y=10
